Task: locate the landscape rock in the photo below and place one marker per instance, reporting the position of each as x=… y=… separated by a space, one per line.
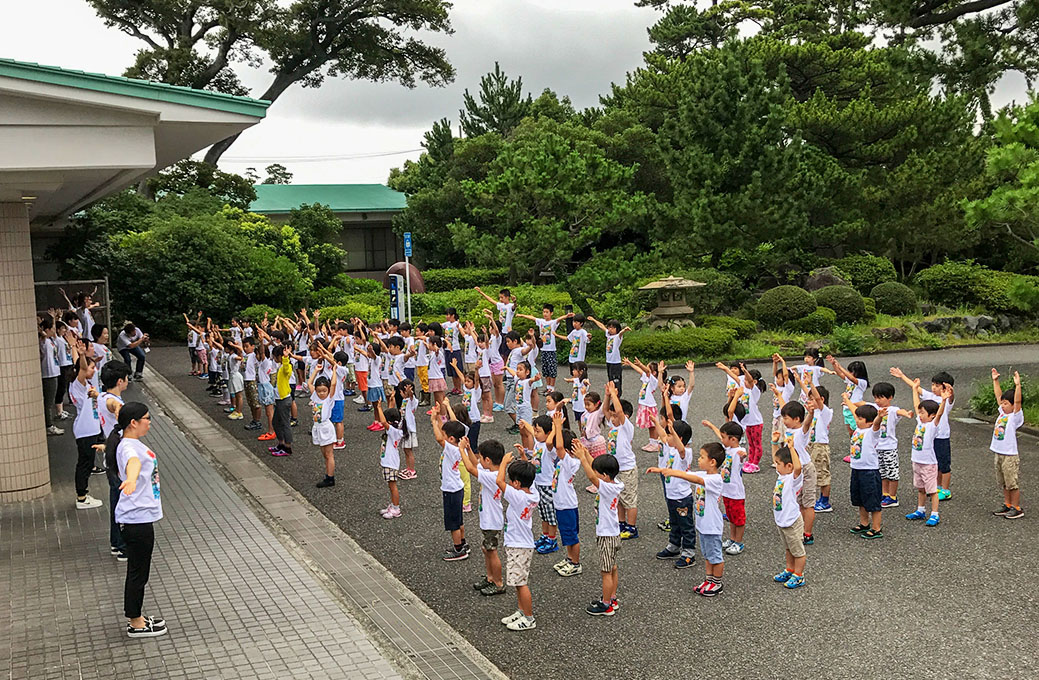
x=817 y=344
x=982 y=333
x=891 y=334
x=823 y=277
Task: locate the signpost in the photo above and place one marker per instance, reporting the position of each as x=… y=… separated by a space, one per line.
x=407 y=269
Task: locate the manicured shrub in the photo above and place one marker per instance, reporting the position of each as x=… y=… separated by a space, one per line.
x=744 y=328
x=351 y=285
x=819 y=322
x=354 y=309
x=894 y=298
x=687 y=343
x=867 y=271
x=255 y=313
x=440 y=280
x=952 y=283
x=871 y=309
x=784 y=303
x=845 y=301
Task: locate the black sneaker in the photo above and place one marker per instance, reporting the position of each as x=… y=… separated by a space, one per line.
x=326 y=482
x=98 y=470
x=151 y=628
x=1015 y=513
x=254 y=425
x=599 y=608
x=492 y=590
x=666 y=554
x=482 y=584
x=684 y=562
x=1002 y=512
x=294 y=422
x=452 y=555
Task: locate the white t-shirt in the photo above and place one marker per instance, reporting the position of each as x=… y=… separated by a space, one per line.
x=375 y=372
x=123 y=340
x=785 y=508
x=854 y=389
x=516 y=357
x=436 y=365
x=87 y=422
x=250 y=366
x=506 y=310
x=471 y=352
x=682 y=402
x=886 y=439
x=608 y=524
x=144 y=504
x=578 y=345
x=797 y=440
x=107 y=418
x=618 y=444
x=943 y=422
x=809 y=374
x=647 y=392
x=731 y=473
x=523 y=388
x=264 y=370
x=494 y=348
x=676 y=488
x=361 y=362
x=87 y=321
x=544 y=463
x=787 y=391
x=532 y=359
x=410 y=406
x=192 y=339
x=49 y=360
x=410 y=362
x=471 y=401
x=422 y=354
x=864 y=449
x=547 y=330
x=450 y=461
x=323 y=432
x=396 y=372
x=577 y=397
x=750 y=399
x=389 y=457
x=923 y=443
x=451 y=335
x=491 y=515
x=820 y=432
x=563 y=482
x=706 y=512
x=1004 y=434
x=64 y=355
x=485 y=363
x=613 y=348
x=342 y=373
x=518 y=533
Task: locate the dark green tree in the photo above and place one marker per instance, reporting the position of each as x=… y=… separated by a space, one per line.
x=277 y=174
x=186 y=175
x=498 y=107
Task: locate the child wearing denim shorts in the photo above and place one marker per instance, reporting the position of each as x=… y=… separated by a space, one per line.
x=565 y=498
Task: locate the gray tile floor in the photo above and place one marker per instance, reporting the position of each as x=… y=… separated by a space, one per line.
x=238 y=604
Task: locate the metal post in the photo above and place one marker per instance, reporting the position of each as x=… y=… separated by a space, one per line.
x=407 y=283
x=108 y=309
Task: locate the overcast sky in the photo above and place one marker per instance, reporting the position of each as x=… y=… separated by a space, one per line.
x=575 y=47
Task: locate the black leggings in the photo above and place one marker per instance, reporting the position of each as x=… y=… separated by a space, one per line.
x=282 y=420
x=140 y=541
x=85 y=461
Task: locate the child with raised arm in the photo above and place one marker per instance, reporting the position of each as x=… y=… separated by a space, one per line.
x=619 y=445
x=565 y=498
x=785 y=385
x=523 y=387
x=484 y=464
x=517 y=352
x=797 y=421
x=448 y=435
x=810 y=371
x=925 y=462
x=733 y=493
x=395 y=430
x=856 y=380
x=786 y=512
x=546 y=326
x=706 y=512
x=646 y=416
x=941 y=386
x=614 y=337
x=675 y=454
x=602 y=474
x=819 y=444
x=519 y=538
x=865 y=469
x=679 y=391
x=1004 y=447
x=578 y=339
x=323 y=434
x=538 y=447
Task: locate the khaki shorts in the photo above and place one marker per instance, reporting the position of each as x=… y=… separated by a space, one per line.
x=1008 y=469
x=809 y=493
x=517 y=565
x=608 y=547
x=491 y=539
x=793 y=537
x=629 y=495
x=252 y=397
x=821 y=460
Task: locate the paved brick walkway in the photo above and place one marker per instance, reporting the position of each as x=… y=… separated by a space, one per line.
x=238 y=604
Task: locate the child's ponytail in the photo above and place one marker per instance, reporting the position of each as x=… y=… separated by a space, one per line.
x=129 y=412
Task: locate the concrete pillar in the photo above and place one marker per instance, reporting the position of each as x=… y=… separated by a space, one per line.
x=24 y=468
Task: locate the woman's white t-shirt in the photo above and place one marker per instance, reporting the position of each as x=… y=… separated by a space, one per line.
x=107 y=418
x=144 y=505
x=50 y=366
x=87 y=422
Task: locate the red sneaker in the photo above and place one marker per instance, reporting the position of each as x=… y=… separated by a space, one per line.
x=266 y=437
x=376 y=427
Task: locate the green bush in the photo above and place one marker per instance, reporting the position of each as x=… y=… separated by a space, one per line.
x=351 y=285
x=784 y=303
x=819 y=322
x=687 y=343
x=255 y=313
x=328 y=296
x=867 y=271
x=723 y=292
x=871 y=309
x=350 y=310
x=844 y=300
x=743 y=327
x=951 y=283
x=846 y=341
x=1024 y=294
x=441 y=280
x=894 y=298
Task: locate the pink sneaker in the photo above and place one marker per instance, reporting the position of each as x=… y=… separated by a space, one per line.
x=650 y=448
x=486 y=419
x=339 y=446
x=750 y=468
x=468 y=507
x=847 y=459
x=390 y=513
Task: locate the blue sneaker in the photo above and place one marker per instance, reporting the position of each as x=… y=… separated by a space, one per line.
x=823 y=506
x=889 y=502
x=916 y=514
x=550 y=545
x=349 y=393
x=540 y=542
x=666 y=554
x=932 y=521
x=783 y=576
x=794 y=581
x=498 y=408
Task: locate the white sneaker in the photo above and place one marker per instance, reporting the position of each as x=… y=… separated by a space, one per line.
x=734 y=548
x=63 y=415
x=570 y=569
x=522 y=623
x=55 y=430
x=726 y=543
x=88 y=503
x=559 y=565
x=514 y=616
x=358 y=400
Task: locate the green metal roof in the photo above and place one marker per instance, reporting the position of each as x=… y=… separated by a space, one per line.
x=282 y=198
x=132 y=87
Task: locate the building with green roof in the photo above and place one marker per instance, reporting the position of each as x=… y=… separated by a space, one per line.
x=366 y=211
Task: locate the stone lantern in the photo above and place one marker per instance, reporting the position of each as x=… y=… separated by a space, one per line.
x=672 y=309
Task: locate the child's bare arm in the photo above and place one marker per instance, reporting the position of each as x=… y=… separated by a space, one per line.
x=712 y=427
x=501 y=470
x=1017 y=392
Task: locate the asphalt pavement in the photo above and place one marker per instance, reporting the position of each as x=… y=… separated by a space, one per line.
x=958 y=599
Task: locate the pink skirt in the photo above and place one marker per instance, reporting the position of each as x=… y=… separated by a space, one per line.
x=497 y=368
x=437 y=385
x=646 y=417
x=596 y=446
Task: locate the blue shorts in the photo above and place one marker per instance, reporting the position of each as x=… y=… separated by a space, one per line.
x=409 y=373
x=943 y=452
x=376 y=394
x=711 y=547
x=337 y=412
x=457 y=356
x=568 y=523
x=866 y=489
x=849 y=418
x=453 y=509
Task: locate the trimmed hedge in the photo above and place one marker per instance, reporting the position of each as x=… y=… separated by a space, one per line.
x=327 y=296
x=442 y=280
x=867 y=271
x=784 y=303
x=744 y=328
x=255 y=313
x=845 y=301
x=351 y=285
x=819 y=322
x=894 y=298
x=349 y=310
x=680 y=345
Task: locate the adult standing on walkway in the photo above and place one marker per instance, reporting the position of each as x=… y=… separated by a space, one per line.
x=137 y=511
x=283 y=402
x=131 y=342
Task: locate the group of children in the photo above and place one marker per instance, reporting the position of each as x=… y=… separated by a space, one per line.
x=394 y=369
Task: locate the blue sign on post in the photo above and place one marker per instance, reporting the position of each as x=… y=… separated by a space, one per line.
x=407 y=244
